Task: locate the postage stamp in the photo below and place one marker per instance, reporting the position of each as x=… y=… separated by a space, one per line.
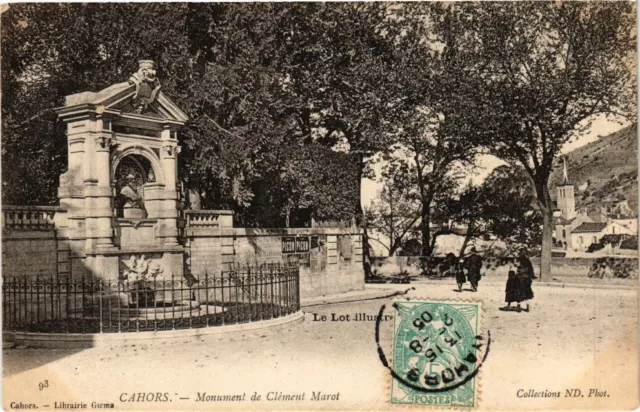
x=438 y=350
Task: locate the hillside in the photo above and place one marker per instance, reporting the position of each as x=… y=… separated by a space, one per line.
x=610 y=167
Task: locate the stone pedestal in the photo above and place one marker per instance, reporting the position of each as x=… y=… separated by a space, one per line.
x=133 y=213
x=137 y=233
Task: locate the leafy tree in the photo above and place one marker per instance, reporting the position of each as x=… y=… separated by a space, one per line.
x=502 y=206
x=339 y=62
x=258 y=82
x=467 y=211
x=53 y=50
x=395 y=214
x=616 y=241
x=429 y=150
x=310 y=178
x=277 y=73
x=629 y=243
x=239 y=126
x=508 y=202
x=430 y=177
x=538 y=74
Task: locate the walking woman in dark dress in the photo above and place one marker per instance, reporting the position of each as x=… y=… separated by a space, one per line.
x=525 y=277
x=512 y=291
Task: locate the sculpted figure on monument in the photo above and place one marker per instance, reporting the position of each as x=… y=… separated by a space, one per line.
x=147 y=85
x=130 y=192
x=141 y=269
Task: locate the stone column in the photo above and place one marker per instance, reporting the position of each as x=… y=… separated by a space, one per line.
x=98 y=190
x=169 y=213
x=71 y=189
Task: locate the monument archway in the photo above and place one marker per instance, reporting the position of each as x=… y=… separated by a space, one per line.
x=134 y=164
x=144 y=159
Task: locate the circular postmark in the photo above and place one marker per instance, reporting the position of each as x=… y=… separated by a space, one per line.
x=437 y=352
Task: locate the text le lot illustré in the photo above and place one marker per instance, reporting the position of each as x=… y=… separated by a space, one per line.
x=350 y=317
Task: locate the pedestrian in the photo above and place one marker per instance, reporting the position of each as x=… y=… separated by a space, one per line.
x=460 y=278
x=512 y=291
x=452 y=267
x=525 y=278
x=473 y=264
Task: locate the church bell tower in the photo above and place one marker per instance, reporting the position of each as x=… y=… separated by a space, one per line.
x=566 y=196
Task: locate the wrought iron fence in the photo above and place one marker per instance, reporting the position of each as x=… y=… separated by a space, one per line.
x=67 y=304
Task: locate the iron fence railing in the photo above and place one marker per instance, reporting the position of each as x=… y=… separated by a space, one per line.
x=68 y=304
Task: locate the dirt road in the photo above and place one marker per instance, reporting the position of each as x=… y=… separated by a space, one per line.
x=572 y=338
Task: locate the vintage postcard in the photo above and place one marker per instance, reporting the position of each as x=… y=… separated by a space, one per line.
x=319 y=206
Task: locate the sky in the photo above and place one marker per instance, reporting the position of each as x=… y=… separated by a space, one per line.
x=486 y=163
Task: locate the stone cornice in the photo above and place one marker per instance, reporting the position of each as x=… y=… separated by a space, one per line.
x=82 y=106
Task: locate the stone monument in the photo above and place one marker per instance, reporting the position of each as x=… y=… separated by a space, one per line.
x=120 y=190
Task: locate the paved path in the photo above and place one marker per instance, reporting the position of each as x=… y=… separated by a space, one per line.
x=572 y=338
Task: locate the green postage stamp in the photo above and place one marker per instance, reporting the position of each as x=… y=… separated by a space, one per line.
x=438 y=350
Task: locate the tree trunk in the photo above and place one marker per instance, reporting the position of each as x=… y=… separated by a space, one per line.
x=366 y=252
x=391 y=230
x=360 y=221
x=547 y=243
x=546 y=208
x=359 y=211
x=465 y=243
x=425 y=231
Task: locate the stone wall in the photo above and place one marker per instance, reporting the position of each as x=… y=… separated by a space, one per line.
x=603 y=267
x=330 y=259
x=29 y=243
x=29 y=253
x=497 y=267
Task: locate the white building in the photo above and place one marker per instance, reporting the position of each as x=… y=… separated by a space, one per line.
x=628 y=221
x=589 y=233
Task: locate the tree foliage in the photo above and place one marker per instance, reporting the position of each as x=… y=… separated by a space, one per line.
x=538 y=74
x=508 y=203
x=428 y=152
x=288 y=102
x=277 y=77
x=53 y=50
x=395 y=213
x=263 y=85
x=502 y=207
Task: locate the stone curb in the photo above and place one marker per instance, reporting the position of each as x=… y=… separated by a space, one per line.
x=536 y=284
x=90 y=340
x=585 y=286
x=365 y=295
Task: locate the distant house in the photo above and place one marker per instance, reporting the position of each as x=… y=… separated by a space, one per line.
x=626 y=220
x=589 y=233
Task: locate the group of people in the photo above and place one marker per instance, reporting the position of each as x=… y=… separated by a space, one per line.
x=519 y=281
x=472 y=264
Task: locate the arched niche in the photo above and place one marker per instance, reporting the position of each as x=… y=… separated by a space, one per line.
x=137 y=153
x=143 y=165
